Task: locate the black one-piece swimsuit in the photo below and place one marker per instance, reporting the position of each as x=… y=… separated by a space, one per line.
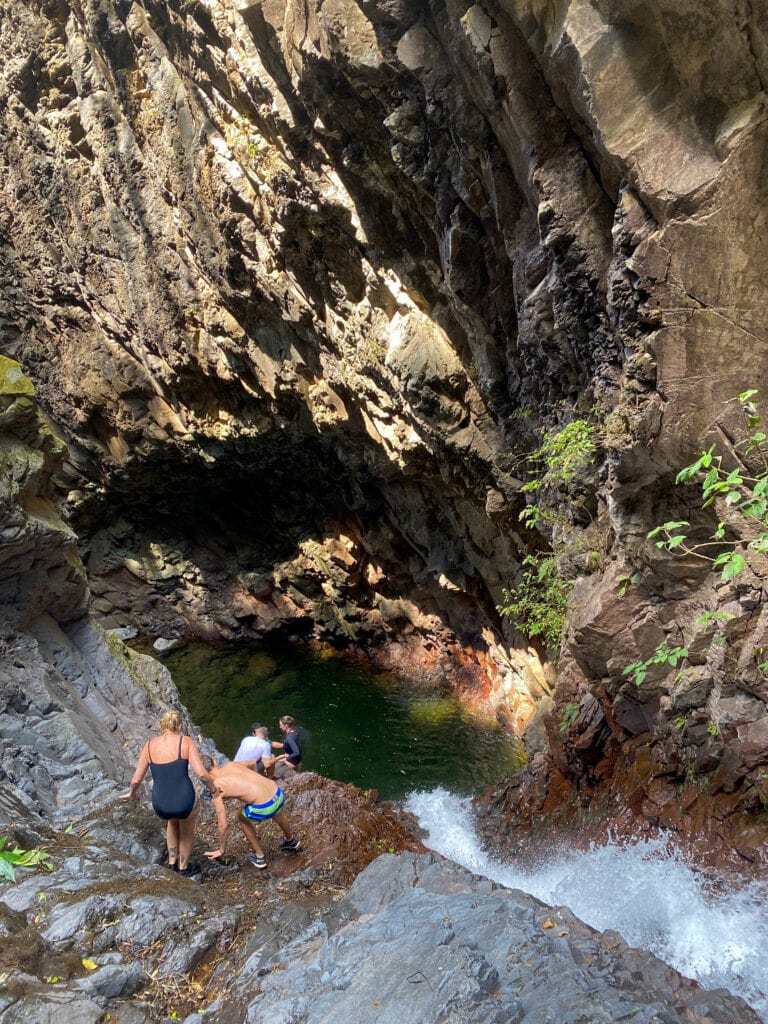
x=173 y=795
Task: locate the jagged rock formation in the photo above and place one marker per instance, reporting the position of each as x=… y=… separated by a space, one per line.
x=300 y=285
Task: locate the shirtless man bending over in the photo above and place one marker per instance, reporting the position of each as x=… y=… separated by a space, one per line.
x=263 y=799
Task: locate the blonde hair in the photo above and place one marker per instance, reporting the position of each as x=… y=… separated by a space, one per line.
x=170 y=722
x=287 y=721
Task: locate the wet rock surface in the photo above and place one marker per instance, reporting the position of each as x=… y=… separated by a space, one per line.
x=417 y=937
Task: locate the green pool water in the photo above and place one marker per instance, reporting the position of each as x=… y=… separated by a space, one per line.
x=372 y=730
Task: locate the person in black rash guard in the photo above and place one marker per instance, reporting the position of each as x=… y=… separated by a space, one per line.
x=168 y=757
x=290 y=744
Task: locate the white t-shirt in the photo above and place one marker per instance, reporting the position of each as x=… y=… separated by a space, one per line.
x=253 y=748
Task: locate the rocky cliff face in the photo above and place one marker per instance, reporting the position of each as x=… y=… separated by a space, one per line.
x=301 y=285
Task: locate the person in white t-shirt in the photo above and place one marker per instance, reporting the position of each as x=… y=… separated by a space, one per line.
x=257 y=747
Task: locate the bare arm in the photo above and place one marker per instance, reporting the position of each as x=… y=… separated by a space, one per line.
x=193 y=756
x=138 y=776
x=221 y=823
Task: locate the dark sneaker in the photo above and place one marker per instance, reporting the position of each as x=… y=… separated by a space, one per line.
x=173 y=867
x=190 y=871
x=290 y=845
x=258 y=862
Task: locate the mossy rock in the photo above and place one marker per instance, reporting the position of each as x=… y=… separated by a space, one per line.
x=12 y=379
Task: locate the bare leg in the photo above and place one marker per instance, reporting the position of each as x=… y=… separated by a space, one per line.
x=282 y=820
x=172 y=841
x=249 y=831
x=187 y=837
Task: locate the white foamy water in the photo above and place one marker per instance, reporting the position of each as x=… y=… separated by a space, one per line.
x=644 y=892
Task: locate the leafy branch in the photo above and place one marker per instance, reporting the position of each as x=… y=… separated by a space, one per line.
x=663 y=655
x=744 y=494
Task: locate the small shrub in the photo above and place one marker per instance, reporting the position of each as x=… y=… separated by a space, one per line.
x=562 y=454
x=570 y=714
x=625 y=582
x=537 y=605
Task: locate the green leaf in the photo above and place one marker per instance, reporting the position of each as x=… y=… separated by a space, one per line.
x=676 y=541
x=732 y=497
x=755 y=508
x=733 y=567
x=688 y=473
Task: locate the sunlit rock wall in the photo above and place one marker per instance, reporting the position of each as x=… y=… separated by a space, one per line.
x=302 y=284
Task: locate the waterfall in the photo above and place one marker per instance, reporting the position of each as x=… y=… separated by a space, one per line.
x=708 y=930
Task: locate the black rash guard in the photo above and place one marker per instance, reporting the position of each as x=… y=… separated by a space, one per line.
x=292 y=748
x=173 y=795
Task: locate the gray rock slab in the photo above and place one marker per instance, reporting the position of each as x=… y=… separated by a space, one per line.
x=69 y=921
x=114 y=981
x=183 y=953
x=425 y=947
x=50 y=1007
x=150 y=918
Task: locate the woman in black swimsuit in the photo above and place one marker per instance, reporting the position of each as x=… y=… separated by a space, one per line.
x=168 y=757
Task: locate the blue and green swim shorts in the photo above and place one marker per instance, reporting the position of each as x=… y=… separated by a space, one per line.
x=262 y=812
